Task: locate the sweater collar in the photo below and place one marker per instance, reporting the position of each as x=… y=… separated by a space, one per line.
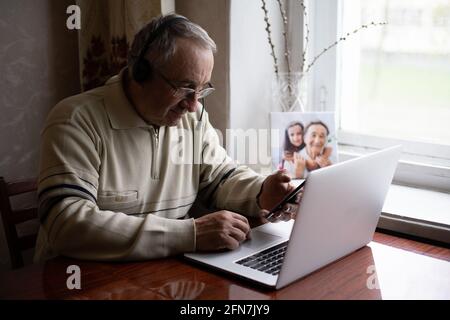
x=121 y=112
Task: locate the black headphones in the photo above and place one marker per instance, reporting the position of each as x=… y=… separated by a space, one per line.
x=142 y=68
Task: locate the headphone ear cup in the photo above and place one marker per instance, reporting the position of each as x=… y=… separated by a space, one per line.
x=141 y=70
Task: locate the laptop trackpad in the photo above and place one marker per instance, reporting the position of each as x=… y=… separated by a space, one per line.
x=260 y=239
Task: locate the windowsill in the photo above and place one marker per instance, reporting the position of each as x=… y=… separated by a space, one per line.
x=417 y=212
x=421 y=172
x=414 y=210
x=349 y=151
x=418 y=204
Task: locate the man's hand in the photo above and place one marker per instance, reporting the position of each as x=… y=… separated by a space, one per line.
x=221 y=230
x=274 y=189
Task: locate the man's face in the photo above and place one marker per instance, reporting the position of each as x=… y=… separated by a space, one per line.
x=190 y=67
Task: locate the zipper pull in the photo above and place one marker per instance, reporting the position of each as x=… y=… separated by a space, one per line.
x=157 y=137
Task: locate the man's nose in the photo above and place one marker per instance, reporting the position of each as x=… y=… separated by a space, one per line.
x=190 y=103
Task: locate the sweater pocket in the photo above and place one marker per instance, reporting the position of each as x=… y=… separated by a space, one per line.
x=114 y=200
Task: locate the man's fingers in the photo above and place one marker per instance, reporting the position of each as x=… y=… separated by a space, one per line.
x=299 y=197
x=290 y=208
x=290 y=188
x=239 y=217
x=231 y=243
x=241 y=222
x=288 y=212
x=241 y=225
x=275 y=217
x=282 y=176
x=237 y=234
x=271 y=217
x=264 y=213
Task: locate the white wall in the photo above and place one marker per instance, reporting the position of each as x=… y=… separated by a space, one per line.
x=322 y=91
x=167 y=6
x=252 y=68
x=251 y=65
x=213 y=16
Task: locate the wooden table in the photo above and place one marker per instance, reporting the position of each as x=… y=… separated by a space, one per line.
x=388 y=268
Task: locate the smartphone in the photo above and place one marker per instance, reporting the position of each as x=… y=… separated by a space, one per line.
x=289 y=198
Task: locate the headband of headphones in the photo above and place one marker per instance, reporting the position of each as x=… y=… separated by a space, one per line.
x=163 y=25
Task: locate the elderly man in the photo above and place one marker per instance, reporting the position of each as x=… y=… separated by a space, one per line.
x=110 y=187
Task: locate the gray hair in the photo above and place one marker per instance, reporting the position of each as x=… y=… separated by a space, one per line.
x=318 y=122
x=163 y=47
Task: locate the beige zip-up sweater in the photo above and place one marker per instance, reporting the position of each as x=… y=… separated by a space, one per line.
x=112 y=187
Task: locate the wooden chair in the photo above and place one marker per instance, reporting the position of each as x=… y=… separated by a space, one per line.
x=12 y=218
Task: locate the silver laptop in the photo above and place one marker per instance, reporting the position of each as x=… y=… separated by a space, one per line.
x=338 y=214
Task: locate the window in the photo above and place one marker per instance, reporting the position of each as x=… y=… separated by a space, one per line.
x=391 y=85
x=392 y=82
x=402 y=71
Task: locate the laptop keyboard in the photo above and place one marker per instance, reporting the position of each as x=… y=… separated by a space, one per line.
x=268 y=260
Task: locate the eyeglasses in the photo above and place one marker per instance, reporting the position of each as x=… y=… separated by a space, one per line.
x=187 y=93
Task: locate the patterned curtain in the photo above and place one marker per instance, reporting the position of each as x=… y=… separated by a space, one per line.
x=107 y=31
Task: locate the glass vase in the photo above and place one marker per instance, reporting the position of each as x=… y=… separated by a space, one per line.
x=289 y=92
